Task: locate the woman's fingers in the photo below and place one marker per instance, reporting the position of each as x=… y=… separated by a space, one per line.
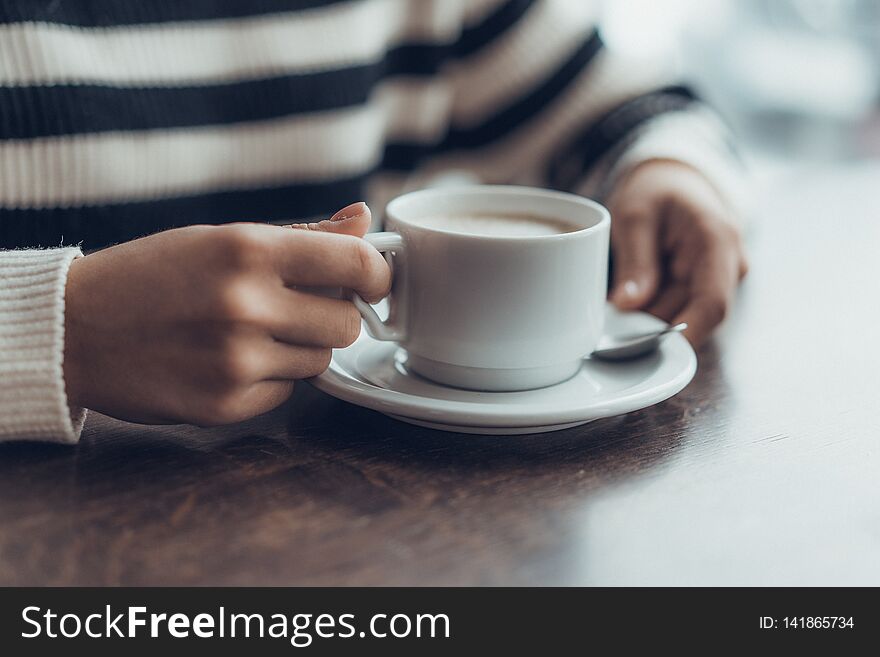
x=316 y=258
x=335 y=260
x=702 y=315
x=669 y=302
x=353 y=220
x=255 y=399
x=308 y=319
x=712 y=289
x=285 y=362
x=636 y=261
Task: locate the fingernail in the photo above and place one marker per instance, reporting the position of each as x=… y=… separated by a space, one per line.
x=349 y=211
x=630 y=289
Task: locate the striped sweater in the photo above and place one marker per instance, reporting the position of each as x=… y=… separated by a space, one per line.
x=121 y=118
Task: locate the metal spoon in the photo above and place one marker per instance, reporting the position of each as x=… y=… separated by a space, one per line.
x=626 y=347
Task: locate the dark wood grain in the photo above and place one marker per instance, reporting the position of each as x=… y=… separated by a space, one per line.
x=765 y=470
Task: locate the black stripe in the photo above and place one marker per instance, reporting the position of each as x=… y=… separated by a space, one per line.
x=405 y=156
x=513 y=116
x=137 y=12
x=424 y=59
x=490 y=28
x=612 y=129
x=99 y=226
x=108 y=13
x=28 y=112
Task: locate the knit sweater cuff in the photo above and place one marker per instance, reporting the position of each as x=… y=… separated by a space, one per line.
x=33 y=400
x=695 y=137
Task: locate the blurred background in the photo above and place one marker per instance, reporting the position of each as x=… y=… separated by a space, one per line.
x=799 y=80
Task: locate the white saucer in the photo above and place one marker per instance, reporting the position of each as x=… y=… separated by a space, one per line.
x=373 y=374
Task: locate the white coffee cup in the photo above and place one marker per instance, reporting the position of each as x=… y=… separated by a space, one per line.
x=493 y=312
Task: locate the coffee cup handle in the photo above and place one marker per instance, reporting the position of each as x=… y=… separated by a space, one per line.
x=390 y=244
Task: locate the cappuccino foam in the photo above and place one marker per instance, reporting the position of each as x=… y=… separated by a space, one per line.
x=498 y=225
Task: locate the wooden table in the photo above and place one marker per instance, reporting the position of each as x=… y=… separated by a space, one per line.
x=765 y=470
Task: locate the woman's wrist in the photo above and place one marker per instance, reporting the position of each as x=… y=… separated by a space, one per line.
x=33 y=400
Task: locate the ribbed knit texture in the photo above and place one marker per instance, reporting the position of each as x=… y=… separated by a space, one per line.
x=121 y=119
x=33 y=401
x=117 y=122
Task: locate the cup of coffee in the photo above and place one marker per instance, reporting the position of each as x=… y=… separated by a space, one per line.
x=495 y=288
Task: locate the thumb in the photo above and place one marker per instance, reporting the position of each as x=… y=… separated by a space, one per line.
x=636 y=263
x=353 y=219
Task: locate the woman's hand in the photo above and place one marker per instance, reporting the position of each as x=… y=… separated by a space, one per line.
x=212 y=324
x=677 y=251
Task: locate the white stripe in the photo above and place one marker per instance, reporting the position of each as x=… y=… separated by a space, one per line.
x=522 y=156
x=107 y=167
x=206 y=52
x=417 y=109
x=120 y=166
x=519 y=60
